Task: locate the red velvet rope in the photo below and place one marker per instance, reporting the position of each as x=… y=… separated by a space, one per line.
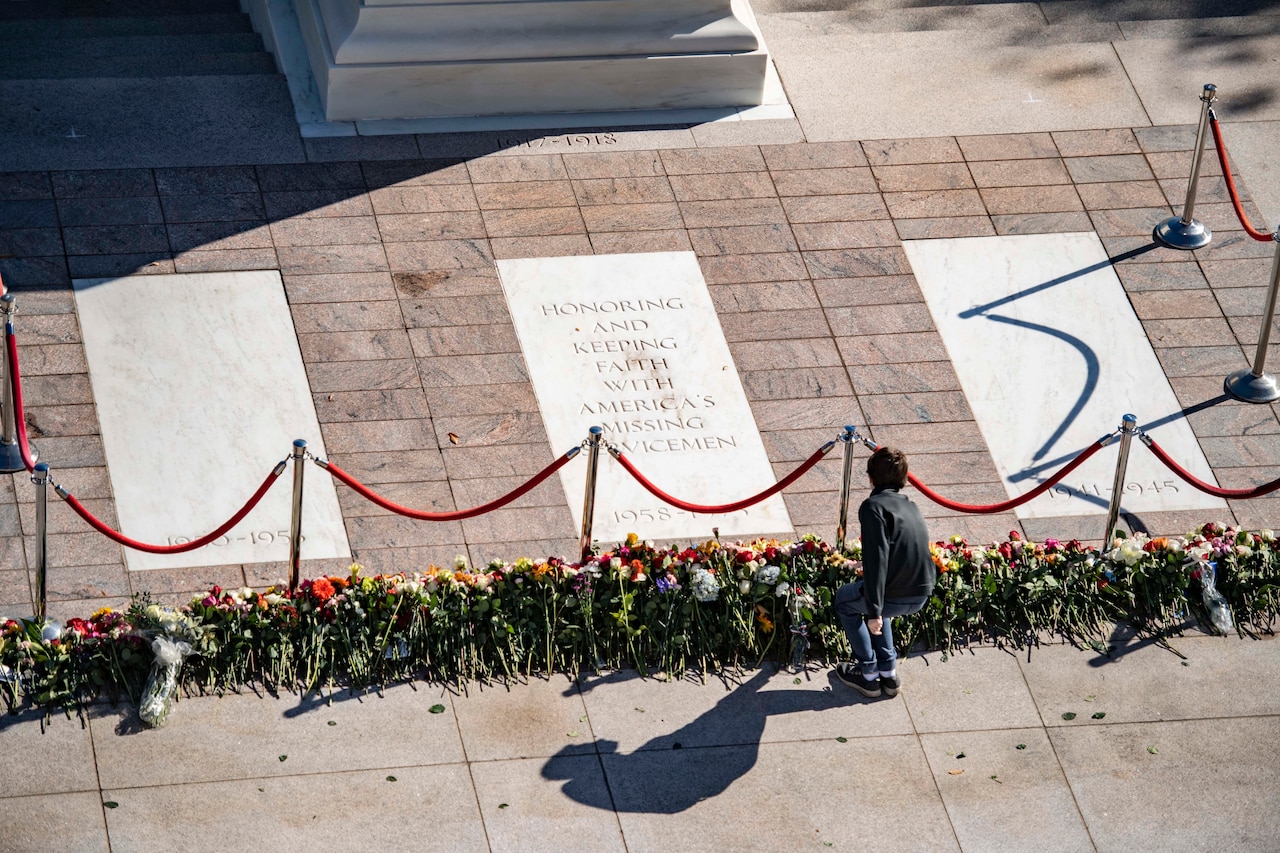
x=983 y=509
x=730 y=507
x=15 y=384
x=1197 y=483
x=454 y=515
x=1260 y=236
x=119 y=537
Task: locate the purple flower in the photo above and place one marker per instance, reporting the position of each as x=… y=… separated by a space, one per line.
x=666 y=583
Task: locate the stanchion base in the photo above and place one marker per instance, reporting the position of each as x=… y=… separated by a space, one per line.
x=1243 y=385
x=1176 y=234
x=11 y=458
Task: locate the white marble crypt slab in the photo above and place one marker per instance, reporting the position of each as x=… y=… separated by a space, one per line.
x=200 y=391
x=1051 y=355
x=632 y=343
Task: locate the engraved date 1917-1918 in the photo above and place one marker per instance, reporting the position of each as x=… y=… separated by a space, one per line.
x=568 y=140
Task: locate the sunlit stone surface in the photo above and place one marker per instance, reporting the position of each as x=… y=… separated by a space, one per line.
x=1051 y=356
x=200 y=391
x=632 y=343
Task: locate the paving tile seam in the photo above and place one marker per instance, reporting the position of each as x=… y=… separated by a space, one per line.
x=222 y=780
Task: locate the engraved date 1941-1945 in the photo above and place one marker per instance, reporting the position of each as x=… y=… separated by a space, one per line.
x=1096 y=490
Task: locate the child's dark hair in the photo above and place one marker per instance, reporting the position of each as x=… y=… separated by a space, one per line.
x=887 y=467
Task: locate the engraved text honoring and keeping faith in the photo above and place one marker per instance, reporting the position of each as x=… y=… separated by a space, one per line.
x=631 y=343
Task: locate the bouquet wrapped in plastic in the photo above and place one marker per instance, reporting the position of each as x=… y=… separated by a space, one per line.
x=162 y=682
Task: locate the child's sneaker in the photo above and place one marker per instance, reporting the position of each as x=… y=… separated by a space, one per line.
x=849 y=674
x=890 y=684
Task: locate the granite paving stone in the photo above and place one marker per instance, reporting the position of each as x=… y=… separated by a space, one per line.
x=614 y=164
x=355 y=743
x=440 y=811
x=225 y=260
x=892 y=349
x=1008 y=146
x=541 y=247
x=523 y=810
x=1131 y=782
x=744 y=239
x=422 y=199
x=339 y=287
x=764 y=267
x=714 y=187
x=933 y=203
x=432 y=496
x=712 y=214
x=934 y=176
x=951 y=226
x=1041 y=199
x=385 y=374
x=436 y=255
x=316 y=203
x=225 y=207
x=623 y=190
x=399 y=466
x=368 y=148
x=651 y=216
x=820 y=155
x=824 y=182
x=873 y=290
x=41 y=213
x=103 y=183
x=1085 y=143
x=321 y=260
x=893 y=152
x=209 y=236
x=206 y=180
x=668 y=798
x=523 y=168
x=56 y=757
x=1007 y=793
x=763 y=296
x=414 y=172
x=536 y=194
x=533 y=222
x=835 y=208
x=75 y=819
x=138 y=210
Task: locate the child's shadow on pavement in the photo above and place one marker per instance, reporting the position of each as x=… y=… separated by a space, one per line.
x=673 y=772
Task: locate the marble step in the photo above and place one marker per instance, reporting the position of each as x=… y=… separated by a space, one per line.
x=92 y=48
x=162 y=65
x=154 y=25
x=18 y=10
x=147 y=122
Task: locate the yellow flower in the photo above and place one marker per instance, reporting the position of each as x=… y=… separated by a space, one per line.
x=101 y=611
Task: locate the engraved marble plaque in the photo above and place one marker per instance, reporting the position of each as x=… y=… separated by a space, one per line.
x=1051 y=355
x=631 y=343
x=200 y=391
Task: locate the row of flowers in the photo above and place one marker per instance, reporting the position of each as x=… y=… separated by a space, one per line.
x=659 y=609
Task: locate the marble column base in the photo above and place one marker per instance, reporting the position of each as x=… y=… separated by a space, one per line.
x=657 y=61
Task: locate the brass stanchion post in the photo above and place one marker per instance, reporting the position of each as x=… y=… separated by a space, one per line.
x=1184 y=232
x=848 y=437
x=295 y=523
x=594 y=441
x=1256 y=385
x=1128 y=429
x=10 y=452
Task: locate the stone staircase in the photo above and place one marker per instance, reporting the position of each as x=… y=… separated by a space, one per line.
x=138 y=83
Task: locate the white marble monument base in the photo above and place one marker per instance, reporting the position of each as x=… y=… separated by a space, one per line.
x=200 y=391
x=632 y=343
x=387 y=60
x=551 y=85
x=1051 y=355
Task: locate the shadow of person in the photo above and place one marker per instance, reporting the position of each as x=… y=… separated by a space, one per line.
x=673 y=772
